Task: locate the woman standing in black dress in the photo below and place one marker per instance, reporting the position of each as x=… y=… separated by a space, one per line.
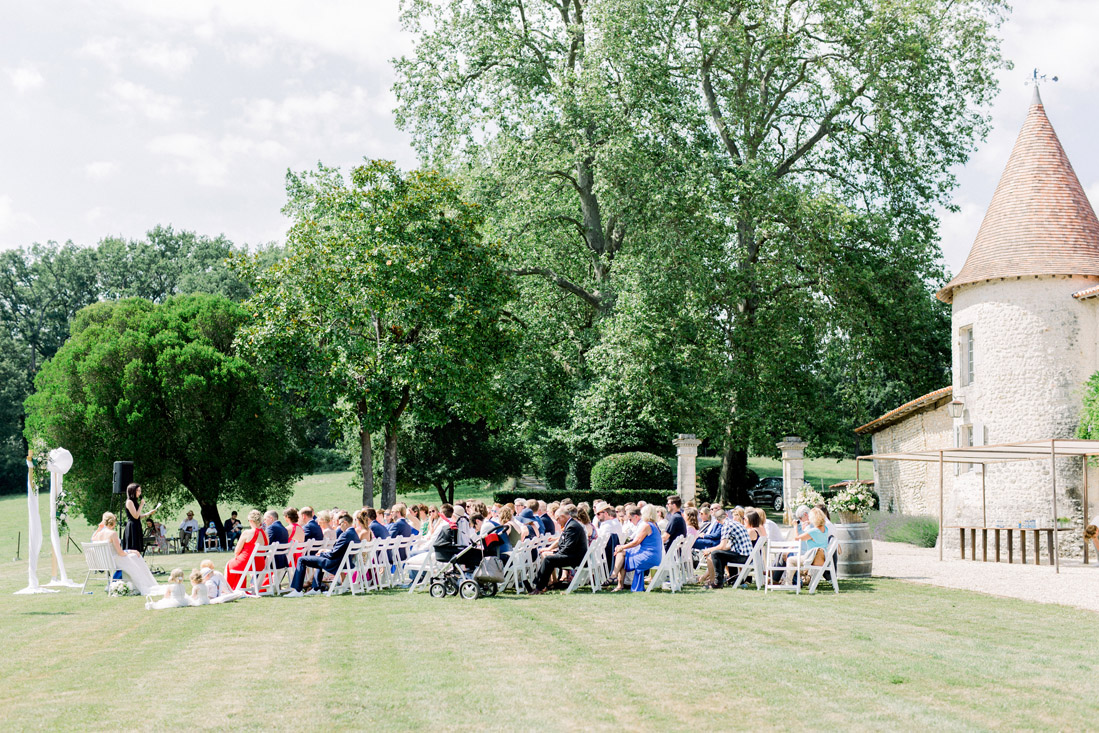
x=132 y=537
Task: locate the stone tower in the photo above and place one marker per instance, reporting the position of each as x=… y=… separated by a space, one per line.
x=1024 y=332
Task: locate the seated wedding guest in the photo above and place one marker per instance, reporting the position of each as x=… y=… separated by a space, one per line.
x=187 y=529
x=401 y=526
x=215 y=581
x=161 y=536
x=585 y=521
x=774 y=531
x=690 y=516
x=360 y=522
x=310 y=529
x=129 y=562
x=276 y=533
x=710 y=529
x=1091 y=534
x=174 y=595
x=232 y=528
x=294 y=531
x=631 y=523
x=544 y=516
x=735 y=547
x=676 y=526
x=199 y=593
x=606 y=519
x=571 y=548
x=377 y=529
x=236 y=568
x=814 y=537
x=326 y=562
x=827 y=520
x=643 y=552
x=661 y=518
x=324 y=519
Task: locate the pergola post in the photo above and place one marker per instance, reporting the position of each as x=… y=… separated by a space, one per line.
x=941 y=538
x=1085 y=508
x=1056 y=534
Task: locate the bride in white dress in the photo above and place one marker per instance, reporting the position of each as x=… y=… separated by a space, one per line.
x=128 y=561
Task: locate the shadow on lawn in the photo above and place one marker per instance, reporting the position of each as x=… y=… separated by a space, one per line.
x=46 y=613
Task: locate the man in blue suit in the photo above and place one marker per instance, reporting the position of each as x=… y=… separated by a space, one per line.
x=400 y=526
x=376 y=528
x=311 y=529
x=277 y=533
x=548 y=525
x=710 y=534
x=326 y=561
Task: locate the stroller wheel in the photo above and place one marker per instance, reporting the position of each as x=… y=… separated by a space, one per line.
x=437 y=590
x=470 y=590
x=451 y=586
x=491 y=589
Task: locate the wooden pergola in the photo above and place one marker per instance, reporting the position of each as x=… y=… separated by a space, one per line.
x=1030 y=450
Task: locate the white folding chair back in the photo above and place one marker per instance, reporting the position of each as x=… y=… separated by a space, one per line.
x=670 y=569
x=778 y=554
x=516 y=570
x=349 y=573
x=256 y=571
x=587 y=572
x=277 y=575
x=755 y=564
x=100 y=558
x=816 y=572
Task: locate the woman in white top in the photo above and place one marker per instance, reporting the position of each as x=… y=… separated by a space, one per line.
x=129 y=562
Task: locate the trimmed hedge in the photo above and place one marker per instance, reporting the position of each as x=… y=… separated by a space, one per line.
x=632 y=472
x=611 y=497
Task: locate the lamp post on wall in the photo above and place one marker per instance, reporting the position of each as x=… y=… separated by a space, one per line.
x=956 y=409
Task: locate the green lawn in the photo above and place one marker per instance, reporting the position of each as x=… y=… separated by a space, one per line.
x=881 y=655
x=828 y=470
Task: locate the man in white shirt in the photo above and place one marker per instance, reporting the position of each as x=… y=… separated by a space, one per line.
x=187 y=529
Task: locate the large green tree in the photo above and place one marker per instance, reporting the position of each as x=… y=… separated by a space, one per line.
x=797 y=149
x=388 y=299
x=160 y=385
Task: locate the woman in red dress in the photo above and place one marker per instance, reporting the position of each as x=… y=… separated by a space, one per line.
x=294 y=531
x=235 y=568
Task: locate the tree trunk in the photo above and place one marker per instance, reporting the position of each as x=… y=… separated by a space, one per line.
x=450 y=491
x=733 y=484
x=366 y=463
x=441 y=490
x=389 y=467
x=209 y=514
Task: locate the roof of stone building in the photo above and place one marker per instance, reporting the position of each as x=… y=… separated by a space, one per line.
x=926 y=402
x=1040 y=221
x=1086 y=293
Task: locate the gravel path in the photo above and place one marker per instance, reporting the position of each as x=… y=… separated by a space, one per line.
x=1076 y=585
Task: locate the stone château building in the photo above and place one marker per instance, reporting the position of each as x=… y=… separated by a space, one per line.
x=1025 y=332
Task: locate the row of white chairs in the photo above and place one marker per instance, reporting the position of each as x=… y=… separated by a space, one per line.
x=366 y=565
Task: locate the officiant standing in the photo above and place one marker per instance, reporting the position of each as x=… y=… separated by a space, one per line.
x=133 y=538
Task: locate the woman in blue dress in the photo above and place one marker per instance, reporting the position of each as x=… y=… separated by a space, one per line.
x=641 y=553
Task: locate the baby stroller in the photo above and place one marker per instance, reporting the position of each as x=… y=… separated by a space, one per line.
x=471 y=572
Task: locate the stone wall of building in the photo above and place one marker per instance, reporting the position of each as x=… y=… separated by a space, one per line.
x=911 y=487
x=1034 y=347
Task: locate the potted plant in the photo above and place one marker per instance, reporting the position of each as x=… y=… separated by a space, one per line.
x=852 y=503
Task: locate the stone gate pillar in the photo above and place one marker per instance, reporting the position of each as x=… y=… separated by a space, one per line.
x=686 y=451
x=793 y=470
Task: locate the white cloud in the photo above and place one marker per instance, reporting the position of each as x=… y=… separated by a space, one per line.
x=133 y=98
x=25 y=77
x=341 y=116
x=164 y=57
x=10 y=217
x=94 y=215
x=195 y=156
x=107 y=51
x=167 y=58
x=100 y=170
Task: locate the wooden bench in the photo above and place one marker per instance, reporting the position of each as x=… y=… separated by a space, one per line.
x=1010 y=532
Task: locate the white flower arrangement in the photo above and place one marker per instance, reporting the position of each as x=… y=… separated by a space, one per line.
x=808 y=496
x=853 y=502
x=63 y=512
x=121 y=588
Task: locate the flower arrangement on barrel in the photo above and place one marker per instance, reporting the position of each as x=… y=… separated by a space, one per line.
x=853 y=502
x=808 y=496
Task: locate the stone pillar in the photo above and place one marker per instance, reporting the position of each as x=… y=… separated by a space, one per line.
x=793 y=470
x=686 y=450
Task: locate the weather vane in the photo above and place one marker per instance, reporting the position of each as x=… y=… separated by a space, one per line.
x=1036 y=79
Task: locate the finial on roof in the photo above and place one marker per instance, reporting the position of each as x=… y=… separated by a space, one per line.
x=1036 y=79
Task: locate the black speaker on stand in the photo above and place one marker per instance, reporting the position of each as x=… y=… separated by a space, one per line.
x=123 y=477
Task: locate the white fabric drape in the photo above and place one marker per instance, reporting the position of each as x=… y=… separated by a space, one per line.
x=55 y=534
x=34 y=536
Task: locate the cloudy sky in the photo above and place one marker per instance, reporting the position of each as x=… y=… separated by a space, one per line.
x=121 y=114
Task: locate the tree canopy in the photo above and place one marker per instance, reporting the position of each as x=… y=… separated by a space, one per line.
x=160 y=385
x=388 y=300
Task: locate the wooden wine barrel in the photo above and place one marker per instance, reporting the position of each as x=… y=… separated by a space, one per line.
x=857 y=557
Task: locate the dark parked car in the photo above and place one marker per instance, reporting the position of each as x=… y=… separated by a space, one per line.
x=768 y=492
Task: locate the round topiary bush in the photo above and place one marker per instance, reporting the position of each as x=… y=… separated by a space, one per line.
x=632 y=472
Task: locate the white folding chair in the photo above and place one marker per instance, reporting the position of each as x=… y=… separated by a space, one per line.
x=256 y=571
x=816 y=572
x=587 y=572
x=778 y=555
x=345 y=575
x=515 y=570
x=100 y=558
x=754 y=564
x=277 y=575
x=670 y=568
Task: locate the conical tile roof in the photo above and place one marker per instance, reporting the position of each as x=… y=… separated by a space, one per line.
x=1040 y=222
